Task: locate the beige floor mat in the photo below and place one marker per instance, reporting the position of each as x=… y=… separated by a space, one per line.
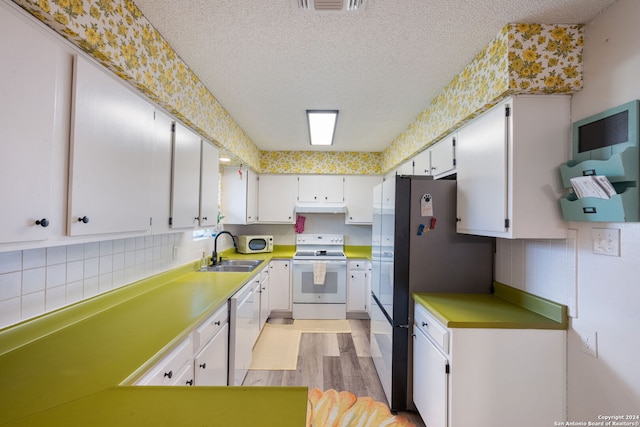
x=276 y=349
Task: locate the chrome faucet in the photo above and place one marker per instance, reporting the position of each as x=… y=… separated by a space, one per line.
x=214 y=256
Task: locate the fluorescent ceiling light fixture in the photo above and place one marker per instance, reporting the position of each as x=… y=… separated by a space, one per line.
x=225 y=159
x=322 y=126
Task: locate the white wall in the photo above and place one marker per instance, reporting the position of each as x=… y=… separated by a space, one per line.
x=607 y=298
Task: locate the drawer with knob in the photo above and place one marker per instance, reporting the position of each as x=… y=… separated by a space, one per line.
x=210 y=327
x=171 y=367
x=432 y=328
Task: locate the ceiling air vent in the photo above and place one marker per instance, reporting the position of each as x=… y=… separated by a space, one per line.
x=331 y=5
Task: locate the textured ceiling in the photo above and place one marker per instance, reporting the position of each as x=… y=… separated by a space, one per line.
x=267 y=62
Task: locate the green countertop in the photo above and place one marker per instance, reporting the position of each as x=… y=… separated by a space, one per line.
x=358 y=252
x=506 y=308
x=67 y=365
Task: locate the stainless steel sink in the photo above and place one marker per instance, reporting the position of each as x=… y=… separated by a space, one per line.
x=231 y=268
x=243 y=262
x=235 y=266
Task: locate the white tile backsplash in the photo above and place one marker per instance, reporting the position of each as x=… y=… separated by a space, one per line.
x=10 y=285
x=10 y=261
x=10 y=311
x=56 y=275
x=33 y=258
x=56 y=255
x=35 y=281
x=545 y=268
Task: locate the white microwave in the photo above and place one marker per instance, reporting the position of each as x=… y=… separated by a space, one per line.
x=255 y=244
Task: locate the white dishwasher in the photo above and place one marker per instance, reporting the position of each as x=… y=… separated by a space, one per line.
x=244 y=328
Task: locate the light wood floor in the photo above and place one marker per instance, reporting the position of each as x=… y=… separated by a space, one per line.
x=331 y=361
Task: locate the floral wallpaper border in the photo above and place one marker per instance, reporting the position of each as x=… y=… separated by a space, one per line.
x=319 y=162
x=522 y=59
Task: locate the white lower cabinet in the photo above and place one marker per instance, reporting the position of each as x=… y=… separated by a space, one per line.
x=280 y=285
x=200 y=359
x=264 y=296
x=358 y=286
x=487 y=376
x=211 y=363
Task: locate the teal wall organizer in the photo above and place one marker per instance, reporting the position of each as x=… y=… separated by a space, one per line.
x=605 y=144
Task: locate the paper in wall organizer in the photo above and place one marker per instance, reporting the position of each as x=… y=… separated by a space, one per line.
x=592 y=186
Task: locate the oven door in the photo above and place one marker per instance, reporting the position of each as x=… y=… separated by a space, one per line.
x=332 y=291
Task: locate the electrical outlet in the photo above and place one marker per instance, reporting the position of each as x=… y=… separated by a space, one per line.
x=175 y=252
x=606 y=241
x=589 y=343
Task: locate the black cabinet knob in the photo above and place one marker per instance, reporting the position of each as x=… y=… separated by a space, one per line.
x=190 y=382
x=203 y=366
x=168 y=374
x=204 y=218
x=44 y=222
x=217 y=323
x=424 y=324
x=84 y=219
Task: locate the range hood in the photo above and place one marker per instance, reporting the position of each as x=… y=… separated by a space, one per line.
x=321 y=207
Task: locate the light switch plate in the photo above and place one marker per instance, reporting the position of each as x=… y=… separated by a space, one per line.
x=606 y=241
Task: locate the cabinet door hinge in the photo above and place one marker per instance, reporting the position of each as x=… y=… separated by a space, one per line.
x=170 y=221
x=507 y=111
x=446 y=369
x=150 y=221
x=454 y=162
x=506 y=223
x=173 y=127
x=454 y=141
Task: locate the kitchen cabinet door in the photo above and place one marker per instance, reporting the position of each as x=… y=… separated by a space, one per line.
x=443 y=159
x=161 y=192
x=277 y=198
x=321 y=188
x=185 y=178
x=239 y=196
x=422 y=163
x=280 y=285
x=358 y=195
x=30 y=82
x=209 y=178
x=482 y=174
x=110 y=175
x=356 y=290
x=212 y=361
x=430 y=381
x=507 y=168
x=265 y=310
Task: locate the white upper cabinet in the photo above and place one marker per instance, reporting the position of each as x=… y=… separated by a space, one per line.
x=110 y=172
x=507 y=169
x=422 y=163
x=209 y=180
x=161 y=193
x=29 y=82
x=358 y=194
x=443 y=159
x=185 y=178
x=239 y=195
x=320 y=189
x=277 y=198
